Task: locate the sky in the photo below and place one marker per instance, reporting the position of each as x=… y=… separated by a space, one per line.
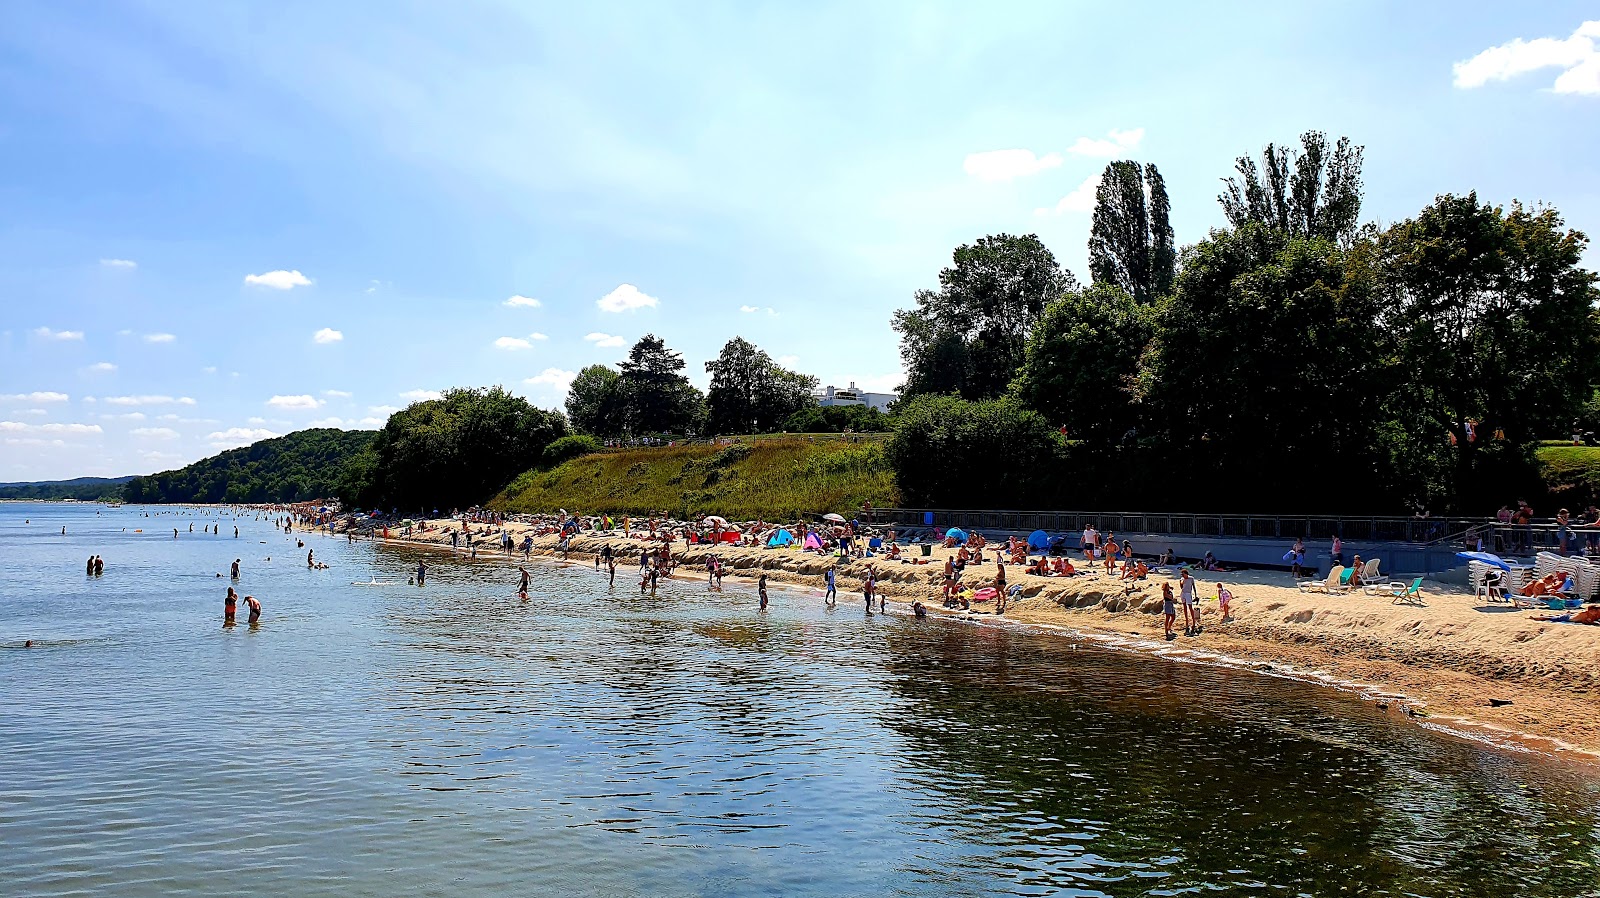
x=223 y=221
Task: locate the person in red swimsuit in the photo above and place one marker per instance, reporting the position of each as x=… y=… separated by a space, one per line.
x=230 y=605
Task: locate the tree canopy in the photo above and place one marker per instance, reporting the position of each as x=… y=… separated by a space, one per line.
x=750 y=393
x=969 y=336
x=1130 y=240
x=305 y=465
x=1311 y=192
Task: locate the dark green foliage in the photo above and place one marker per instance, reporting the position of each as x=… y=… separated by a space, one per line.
x=988 y=454
x=750 y=393
x=570 y=446
x=1130 y=242
x=305 y=465
x=82 y=488
x=655 y=397
x=969 y=336
x=455 y=451
x=838 y=419
x=1083 y=362
x=594 y=402
x=1315 y=192
x=1495 y=323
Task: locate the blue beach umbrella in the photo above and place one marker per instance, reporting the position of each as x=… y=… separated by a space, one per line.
x=1487 y=558
x=956 y=532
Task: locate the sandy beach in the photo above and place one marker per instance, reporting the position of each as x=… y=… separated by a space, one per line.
x=1458 y=663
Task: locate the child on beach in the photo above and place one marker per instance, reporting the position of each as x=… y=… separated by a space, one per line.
x=1224 y=598
x=832 y=594
x=1168 y=608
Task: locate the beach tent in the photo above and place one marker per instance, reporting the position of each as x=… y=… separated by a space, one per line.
x=1038 y=541
x=813 y=541
x=781 y=538
x=956 y=532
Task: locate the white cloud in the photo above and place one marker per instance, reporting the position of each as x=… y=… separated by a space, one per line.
x=148 y=400
x=1118 y=143
x=209 y=369
x=132 y=416
x=749 y=309
x=626 y=298
x=160 y=457
x=253 y=421
x=327 y=335
x=537 y=336
x=788 y=361
x=555 y=378
x=294 y=402
x=384 y=410
x=420 y=395
x=34 y=412
x=512 y=343
x=155 y=433
x=348 y=423
x=604 y=340
x=49 y=334
x=1004 y=165
x=53 y=428
x=159 y=338
x=278 y=280
x=234 y=437
x=526 y=302
x=102 y=367
x=119 y=263
x=1577 y=56
x=1080 y=199
x=338 y=394
x=36 y=396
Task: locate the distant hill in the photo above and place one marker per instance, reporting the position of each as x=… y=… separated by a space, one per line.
x=306 y=464
x=83 y=488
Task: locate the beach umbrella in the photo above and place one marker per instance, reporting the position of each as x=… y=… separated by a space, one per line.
x=1487 y=558
x=716 y=521
x=836 y=518
x=956 y=532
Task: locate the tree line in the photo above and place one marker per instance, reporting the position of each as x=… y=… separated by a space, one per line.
x=1295 y=359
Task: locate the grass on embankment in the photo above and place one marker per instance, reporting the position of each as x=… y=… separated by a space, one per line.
x=1570 y=473
x=771 y=478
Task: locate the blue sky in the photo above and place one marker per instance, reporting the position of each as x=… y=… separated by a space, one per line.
x=220 y=221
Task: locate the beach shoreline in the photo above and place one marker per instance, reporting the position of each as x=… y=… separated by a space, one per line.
x=1492 y=675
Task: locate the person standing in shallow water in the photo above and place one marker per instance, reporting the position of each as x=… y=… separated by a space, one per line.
x=230 y=606
x=422 y=573
x=832 y=594
x=233 y=569
x=254 y=605
x=99 y=566
x=522 y=586
x=761 y=588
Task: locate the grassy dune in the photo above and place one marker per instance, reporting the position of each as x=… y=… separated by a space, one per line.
x=771 y=478
x=1570 y=473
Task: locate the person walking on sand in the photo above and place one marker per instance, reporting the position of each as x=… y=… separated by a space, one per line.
x=831 y=595
x=1168 y=609
x=761 y=589
x=1224 y=603
x=1000 y=587
x=1191 y=611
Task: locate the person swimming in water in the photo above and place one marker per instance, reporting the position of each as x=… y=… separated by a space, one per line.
x=230 y=606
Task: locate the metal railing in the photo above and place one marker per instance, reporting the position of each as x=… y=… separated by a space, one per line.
x=1421 y=531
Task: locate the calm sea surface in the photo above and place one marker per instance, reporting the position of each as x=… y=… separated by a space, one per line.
x=451 y=740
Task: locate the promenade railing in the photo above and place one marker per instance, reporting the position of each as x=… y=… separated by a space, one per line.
x=1461 y=533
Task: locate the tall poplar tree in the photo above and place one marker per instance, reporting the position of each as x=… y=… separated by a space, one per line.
x=1130 y=242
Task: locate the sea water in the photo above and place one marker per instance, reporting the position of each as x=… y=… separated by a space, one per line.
x=454 y=740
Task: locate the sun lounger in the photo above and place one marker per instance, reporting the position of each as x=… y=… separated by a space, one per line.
x=1407 y=595
x=1328 y=585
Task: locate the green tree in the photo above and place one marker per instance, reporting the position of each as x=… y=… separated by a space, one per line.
x=1130 y=241
x=305 y=465
x=1495 y=322
x=1083 y=359
x=750 y=393
x=969 y=336
x=594 y=402
x=953 y=453
x=1268 y=373
x=1312 y=192
x=458 y=450
x=655 y=395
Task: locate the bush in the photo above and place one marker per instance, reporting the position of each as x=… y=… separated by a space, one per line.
x=951 y=453
x=569 y=447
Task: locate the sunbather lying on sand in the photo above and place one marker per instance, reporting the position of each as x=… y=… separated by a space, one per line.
x=1589 y=615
